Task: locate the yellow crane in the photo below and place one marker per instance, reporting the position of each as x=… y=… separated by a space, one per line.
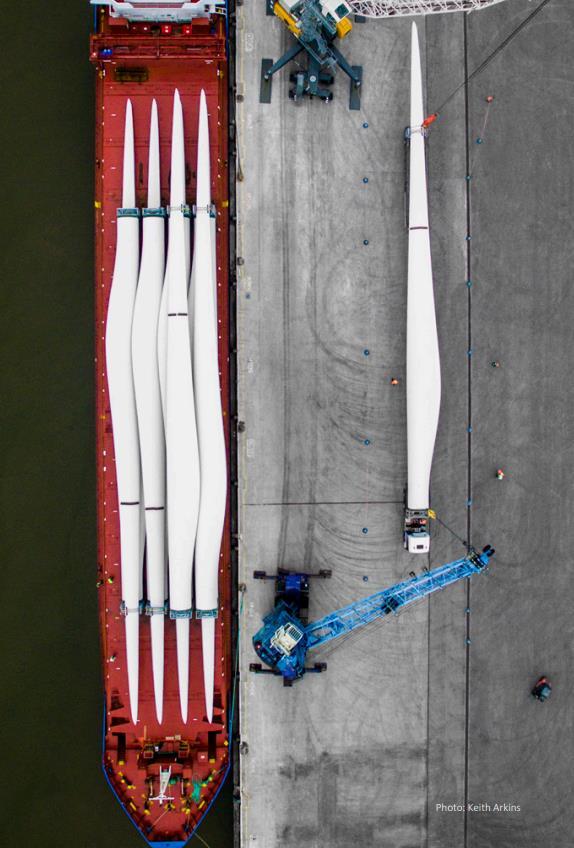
x=316 y=25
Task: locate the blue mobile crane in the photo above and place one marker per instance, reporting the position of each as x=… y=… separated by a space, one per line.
x=285 y=638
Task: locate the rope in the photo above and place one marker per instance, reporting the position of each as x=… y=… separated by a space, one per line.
x=494 y=53
x=432 y=514
x=236 y=670
x=474 y=157
x=361 y=632
x=356 y=634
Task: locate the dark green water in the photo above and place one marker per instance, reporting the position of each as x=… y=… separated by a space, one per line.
x=53 y=791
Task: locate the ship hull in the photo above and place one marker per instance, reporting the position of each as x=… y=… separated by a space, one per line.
x=151 y=67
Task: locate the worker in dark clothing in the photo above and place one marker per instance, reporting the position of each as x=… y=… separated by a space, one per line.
x=542 y=689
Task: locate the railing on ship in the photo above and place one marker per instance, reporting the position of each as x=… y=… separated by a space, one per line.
x=172 y=11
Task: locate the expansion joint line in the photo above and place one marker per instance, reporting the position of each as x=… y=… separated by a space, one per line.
x=469 y=419
x=429 y=566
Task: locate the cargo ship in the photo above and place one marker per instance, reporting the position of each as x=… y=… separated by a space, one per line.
x=164 y=760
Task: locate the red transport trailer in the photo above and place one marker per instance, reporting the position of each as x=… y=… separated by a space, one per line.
x=164 y=776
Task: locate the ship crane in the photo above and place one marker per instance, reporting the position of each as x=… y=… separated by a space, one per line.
x=284 y=639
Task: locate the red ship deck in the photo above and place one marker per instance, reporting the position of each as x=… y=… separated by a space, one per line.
x=141 y=64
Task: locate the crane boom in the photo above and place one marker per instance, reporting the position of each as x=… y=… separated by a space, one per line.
x=283 y=641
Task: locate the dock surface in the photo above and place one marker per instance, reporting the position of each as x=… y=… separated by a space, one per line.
x=432 y=708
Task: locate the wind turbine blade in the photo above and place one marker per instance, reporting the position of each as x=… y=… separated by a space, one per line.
x=123 y=408
x=209 y=412
x=149 y=405
x=423 y=364
x=208 y=651
x=182 y=644
x=183 y=480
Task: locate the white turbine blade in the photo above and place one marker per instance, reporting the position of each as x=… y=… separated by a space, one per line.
x=177 y=168
x=418 y=201
x=132 y=655
x=142 y=540
x=209 y=413
x=123 y=409
x=203 y=191
x=128 y=175
x=149 y=406
x=208 y=651
x=423 y=365
x=162 y=342
x=157 y=626
x=177 y=184
x=181 y=434
x=182 y=642
x=154 y=183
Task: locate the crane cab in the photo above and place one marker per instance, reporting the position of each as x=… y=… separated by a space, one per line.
x=286 y=638
x=416 y=535
x=338 y=13
x=334 y=13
